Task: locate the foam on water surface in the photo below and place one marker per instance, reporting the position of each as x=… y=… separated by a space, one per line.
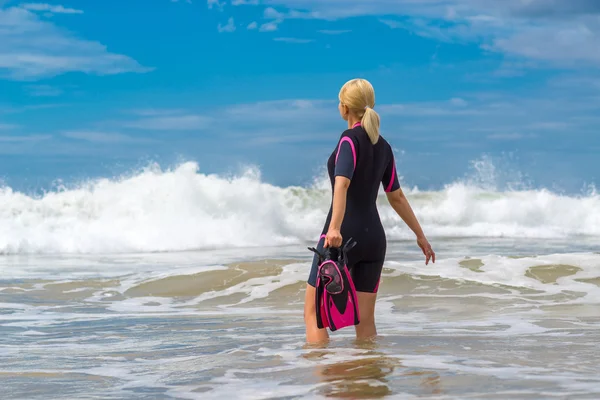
x=168 y=284
x=182 y=209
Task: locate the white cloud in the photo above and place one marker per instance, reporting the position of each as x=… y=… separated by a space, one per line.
x=6 y=127
x=244 y=2
x=15 y=110
x=495 y=116
x=333 y=32
x=478 y=119
x=31 y=48
x=278 y=17
x=270 y=26
x=457 y=101
x=279 y=122
x=560 y=32
x=392 y=23
x=23 y=138
x=552 y=8
x=230 y=27
x=252 y=25
x=292 y=40
x=172 y=123
x=43 y=91
x=447 y=109
x=50 y=8
x=549 y=126
x=562 y=44
x=546 y=118
x=590 y=82
x=510 y=136
x=271 y=13
x=280 y=111
x=157 y=112
x=99 y=137
x=216 y=4
x=282 y=121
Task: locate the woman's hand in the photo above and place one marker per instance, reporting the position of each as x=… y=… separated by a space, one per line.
x=333 y=238
x=427 y=250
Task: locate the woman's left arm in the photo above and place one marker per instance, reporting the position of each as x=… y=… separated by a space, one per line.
x=345 y=163
x=340 y=191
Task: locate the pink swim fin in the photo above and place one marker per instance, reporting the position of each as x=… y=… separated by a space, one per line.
x=336 y=302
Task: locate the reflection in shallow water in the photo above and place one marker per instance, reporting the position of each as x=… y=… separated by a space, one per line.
x=361 y=378
x=370 y=375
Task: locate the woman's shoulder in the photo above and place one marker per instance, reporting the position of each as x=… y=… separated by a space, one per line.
x=354 y=133
x=384 y=143
x=387 y=149
x=350 y=134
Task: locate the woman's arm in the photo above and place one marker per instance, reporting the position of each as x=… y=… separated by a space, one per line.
x=400 y=204
x=340 y=191
x=345 y=163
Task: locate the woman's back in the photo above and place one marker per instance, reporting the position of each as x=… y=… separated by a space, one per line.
x=367 y=165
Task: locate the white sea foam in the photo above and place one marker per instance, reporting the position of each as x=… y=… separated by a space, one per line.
x=183 y=209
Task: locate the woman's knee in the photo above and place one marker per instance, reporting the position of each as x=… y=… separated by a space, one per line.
x=366 y=306
x=309 y=312
x=310 y=308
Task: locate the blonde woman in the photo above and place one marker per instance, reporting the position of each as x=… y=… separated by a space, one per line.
x=361 y=161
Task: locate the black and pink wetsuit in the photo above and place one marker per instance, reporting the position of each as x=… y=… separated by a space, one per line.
x=367 y=166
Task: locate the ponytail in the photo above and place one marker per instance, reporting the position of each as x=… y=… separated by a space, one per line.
x=370 y=122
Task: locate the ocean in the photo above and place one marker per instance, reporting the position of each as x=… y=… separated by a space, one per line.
x=174 y=284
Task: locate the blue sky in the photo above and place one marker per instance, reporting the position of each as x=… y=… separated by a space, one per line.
x=96 y=88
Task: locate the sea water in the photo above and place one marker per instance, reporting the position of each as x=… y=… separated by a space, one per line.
x=172 y=284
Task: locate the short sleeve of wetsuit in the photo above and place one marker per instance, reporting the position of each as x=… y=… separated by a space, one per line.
x=390 y=177
x=345 y=159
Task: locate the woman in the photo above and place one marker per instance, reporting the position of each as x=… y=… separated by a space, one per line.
x=361 y=162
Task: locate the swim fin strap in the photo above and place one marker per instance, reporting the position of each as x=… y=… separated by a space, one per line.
x=335 y=297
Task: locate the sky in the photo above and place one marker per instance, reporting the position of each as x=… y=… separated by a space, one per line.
x=98 y=88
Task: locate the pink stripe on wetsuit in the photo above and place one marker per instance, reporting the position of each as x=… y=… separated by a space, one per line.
x=392 y=178
x=346 y=139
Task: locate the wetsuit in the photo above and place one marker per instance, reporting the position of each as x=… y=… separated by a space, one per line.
x=367 y=166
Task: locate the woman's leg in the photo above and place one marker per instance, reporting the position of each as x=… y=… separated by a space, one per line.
x=366 y=276
x=366 y=304
x=313 y=333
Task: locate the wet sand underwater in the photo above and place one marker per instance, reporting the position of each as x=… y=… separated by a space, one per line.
x=492 y=319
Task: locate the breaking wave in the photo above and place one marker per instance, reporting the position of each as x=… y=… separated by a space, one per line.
x=183 y=209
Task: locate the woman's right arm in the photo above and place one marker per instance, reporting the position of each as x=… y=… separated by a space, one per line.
x=400 y=204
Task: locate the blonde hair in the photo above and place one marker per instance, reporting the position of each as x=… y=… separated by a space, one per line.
x=359 y=96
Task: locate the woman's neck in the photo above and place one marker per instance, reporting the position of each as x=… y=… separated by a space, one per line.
x=353 y=121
